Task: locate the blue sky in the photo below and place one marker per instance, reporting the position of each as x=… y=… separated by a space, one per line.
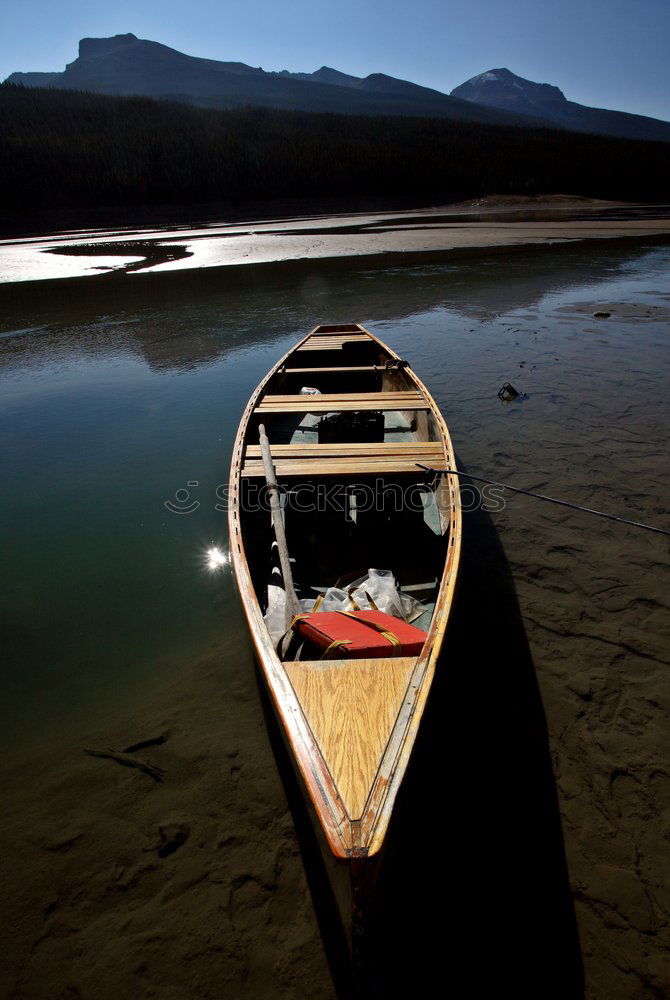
x=606 y=53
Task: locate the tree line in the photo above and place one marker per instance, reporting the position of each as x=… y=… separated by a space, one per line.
x=69 y=149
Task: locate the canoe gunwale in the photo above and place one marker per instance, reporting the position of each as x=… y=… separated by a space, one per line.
x=364 y=835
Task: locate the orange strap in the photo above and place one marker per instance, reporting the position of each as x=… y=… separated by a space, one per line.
x=335 y=644
x=391 y=636
x=370 y=601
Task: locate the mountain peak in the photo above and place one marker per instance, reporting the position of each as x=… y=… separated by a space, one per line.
x=90 y=48
x=329 y=75
x=502 y=73
x=500 y=88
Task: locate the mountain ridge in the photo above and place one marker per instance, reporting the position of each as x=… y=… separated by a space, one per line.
x=127 y=65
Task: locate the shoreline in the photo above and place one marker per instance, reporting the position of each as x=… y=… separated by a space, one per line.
x=415 y=236
x=278 y=210
x=156 y=279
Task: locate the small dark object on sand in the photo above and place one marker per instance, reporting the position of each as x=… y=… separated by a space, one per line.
x=172 y=837
x=127 y=761
x=507 y=392
x=154 y=741
x=601 y=314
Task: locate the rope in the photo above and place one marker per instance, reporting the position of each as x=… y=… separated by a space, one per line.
x=541 y=496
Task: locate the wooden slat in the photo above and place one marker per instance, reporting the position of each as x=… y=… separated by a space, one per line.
x=333 y=341
x=355 y=449
x=333 y=368
x=339 y=335
x=351 y=706
x=296 y=397
x=342 y=406
x=335 y=467
x=344 y=401
x=343 y=338
x=329 y=460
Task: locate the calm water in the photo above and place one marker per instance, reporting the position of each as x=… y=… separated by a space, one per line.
x=115 y=395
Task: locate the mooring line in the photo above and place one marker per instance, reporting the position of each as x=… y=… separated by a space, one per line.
x=542 y=496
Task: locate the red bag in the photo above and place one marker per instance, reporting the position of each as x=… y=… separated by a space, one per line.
x=359 y=634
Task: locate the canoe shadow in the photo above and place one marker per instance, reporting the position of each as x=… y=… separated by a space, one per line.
x=473 y=896
x=474 y=891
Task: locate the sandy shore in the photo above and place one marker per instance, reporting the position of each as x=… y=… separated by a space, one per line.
x=463 y=228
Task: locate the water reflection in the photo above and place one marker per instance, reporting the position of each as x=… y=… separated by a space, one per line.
x=198 y=316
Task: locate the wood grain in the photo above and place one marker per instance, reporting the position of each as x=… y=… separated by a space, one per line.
x=321 y=369
x=351 y=449
x=333 y=342
x=347 y=459
x=351 y=707
x=338 y=402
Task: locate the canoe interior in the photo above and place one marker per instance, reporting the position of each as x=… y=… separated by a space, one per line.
x=354 y=532
x=354 y=499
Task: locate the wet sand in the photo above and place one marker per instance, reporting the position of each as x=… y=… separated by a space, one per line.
x=547 y=738
x=460 y=229
x=123 y=886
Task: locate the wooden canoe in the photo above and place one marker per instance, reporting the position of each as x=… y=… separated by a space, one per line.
x=349 y=724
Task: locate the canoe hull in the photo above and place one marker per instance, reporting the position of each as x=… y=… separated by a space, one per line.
x=351 y=835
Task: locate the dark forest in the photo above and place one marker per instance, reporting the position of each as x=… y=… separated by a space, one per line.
x=74 y=150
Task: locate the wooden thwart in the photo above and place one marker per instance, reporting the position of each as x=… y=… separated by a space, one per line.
x=333 y=369
x=343 y=467
x=355 y=449
x=341 y=401
x=347 y=459
x=333 y=341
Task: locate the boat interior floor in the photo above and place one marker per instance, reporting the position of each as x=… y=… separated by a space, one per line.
x=292 y=428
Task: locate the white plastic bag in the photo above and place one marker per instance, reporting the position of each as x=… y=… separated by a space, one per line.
x=336 y=599
x=380 y=585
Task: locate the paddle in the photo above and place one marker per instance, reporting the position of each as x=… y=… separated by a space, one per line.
x=278 y=523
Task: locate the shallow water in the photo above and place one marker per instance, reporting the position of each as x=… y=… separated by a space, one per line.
x=115 y=397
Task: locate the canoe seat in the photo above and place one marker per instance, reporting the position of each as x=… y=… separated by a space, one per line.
x=333 y=341
x=321 y=370
x=337 y=402
x=346 y=459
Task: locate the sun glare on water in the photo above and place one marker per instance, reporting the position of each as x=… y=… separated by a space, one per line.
x=215 y=559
